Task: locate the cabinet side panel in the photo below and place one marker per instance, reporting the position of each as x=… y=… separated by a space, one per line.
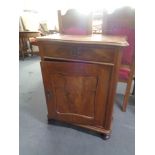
x=47 y=89
x=112 y=89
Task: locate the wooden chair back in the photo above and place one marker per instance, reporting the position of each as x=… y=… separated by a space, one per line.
x=122 y=22
x=75 y=23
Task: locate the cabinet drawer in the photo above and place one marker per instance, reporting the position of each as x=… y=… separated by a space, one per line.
x=98 y=54
x=59 y=51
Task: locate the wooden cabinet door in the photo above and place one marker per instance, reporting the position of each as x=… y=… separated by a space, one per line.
x=76 y=92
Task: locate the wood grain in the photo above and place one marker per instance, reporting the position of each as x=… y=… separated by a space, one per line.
x=80 y=79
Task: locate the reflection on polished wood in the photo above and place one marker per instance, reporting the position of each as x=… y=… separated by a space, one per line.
x=97 y=39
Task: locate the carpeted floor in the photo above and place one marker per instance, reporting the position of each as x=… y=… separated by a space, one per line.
x=39 y=138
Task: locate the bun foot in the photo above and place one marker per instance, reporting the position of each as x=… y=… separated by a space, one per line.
x=105 y=136
x=50 y=121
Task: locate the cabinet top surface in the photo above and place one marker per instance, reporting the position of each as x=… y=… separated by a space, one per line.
x=29 y=32
x=86 y=39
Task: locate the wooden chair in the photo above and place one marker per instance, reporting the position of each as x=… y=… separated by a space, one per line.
x=27 y=36
x=122 y=22
x=24 y=38
x=75 y=23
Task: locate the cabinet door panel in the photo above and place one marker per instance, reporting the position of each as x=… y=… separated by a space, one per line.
x=77 y=94
x=79 y=91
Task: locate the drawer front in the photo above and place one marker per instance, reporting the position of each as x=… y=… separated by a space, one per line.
x=60 y=51
x=98 y=54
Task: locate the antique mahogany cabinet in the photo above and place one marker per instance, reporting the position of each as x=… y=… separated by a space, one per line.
x=80 y=76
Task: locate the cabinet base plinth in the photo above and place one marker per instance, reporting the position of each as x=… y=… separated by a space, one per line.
x=104 y=134
x=50 y=121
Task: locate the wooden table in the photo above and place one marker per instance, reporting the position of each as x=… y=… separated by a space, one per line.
x=24 y=37
x=80 y=75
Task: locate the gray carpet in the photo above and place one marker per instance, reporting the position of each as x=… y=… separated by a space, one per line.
x=39 y=138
